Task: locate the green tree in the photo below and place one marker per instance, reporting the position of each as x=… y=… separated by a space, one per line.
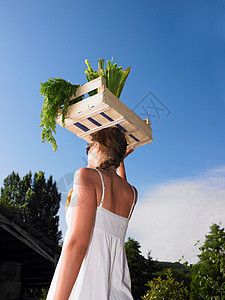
x=35 y=201
x=140 y=267
x=13 y=195
x=169 y=288
x=208 y=275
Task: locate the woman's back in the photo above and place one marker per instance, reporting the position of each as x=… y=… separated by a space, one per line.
x=118 y=194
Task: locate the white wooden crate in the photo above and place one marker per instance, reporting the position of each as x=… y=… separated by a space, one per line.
x=104 y=110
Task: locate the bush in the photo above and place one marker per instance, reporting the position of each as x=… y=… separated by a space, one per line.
x=169 y=288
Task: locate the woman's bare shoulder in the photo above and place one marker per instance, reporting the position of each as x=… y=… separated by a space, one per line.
x=85 y=170
x=85 y=175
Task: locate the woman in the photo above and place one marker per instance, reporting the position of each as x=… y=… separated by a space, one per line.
x=93 y=263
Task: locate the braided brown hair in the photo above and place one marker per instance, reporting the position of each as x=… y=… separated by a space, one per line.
x=112 y=141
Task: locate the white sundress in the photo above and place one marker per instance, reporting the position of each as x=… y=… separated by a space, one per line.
x=104 y=272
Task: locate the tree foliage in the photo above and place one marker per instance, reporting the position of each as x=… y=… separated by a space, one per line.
x=169 y=288
x=208 y=275
x=140 y=267
x=180 y=273
x=35 y=201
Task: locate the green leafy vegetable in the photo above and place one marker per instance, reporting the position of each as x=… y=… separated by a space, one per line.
x=57 y=93
x=115 y=76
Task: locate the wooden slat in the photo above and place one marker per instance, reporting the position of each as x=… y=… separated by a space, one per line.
x=74 y=129
x=89 y=86
x=128 y=126
x=103 y=126
x=83 y=109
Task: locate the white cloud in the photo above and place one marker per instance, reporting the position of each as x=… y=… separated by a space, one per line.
x=169 y=219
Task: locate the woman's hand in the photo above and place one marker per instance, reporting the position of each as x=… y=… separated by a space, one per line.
x=121 y=169
x=129 y=151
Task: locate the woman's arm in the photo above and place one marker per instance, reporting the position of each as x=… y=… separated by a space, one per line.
x=121 y=169
x=82 y=209
x=72 y=259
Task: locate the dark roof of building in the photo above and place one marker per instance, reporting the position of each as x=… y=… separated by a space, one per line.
x=22 y=243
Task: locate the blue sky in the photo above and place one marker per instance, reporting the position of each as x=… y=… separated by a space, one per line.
x=176 y=53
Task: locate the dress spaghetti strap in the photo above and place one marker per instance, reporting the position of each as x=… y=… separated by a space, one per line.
x=103 y=187
x=132 y=203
